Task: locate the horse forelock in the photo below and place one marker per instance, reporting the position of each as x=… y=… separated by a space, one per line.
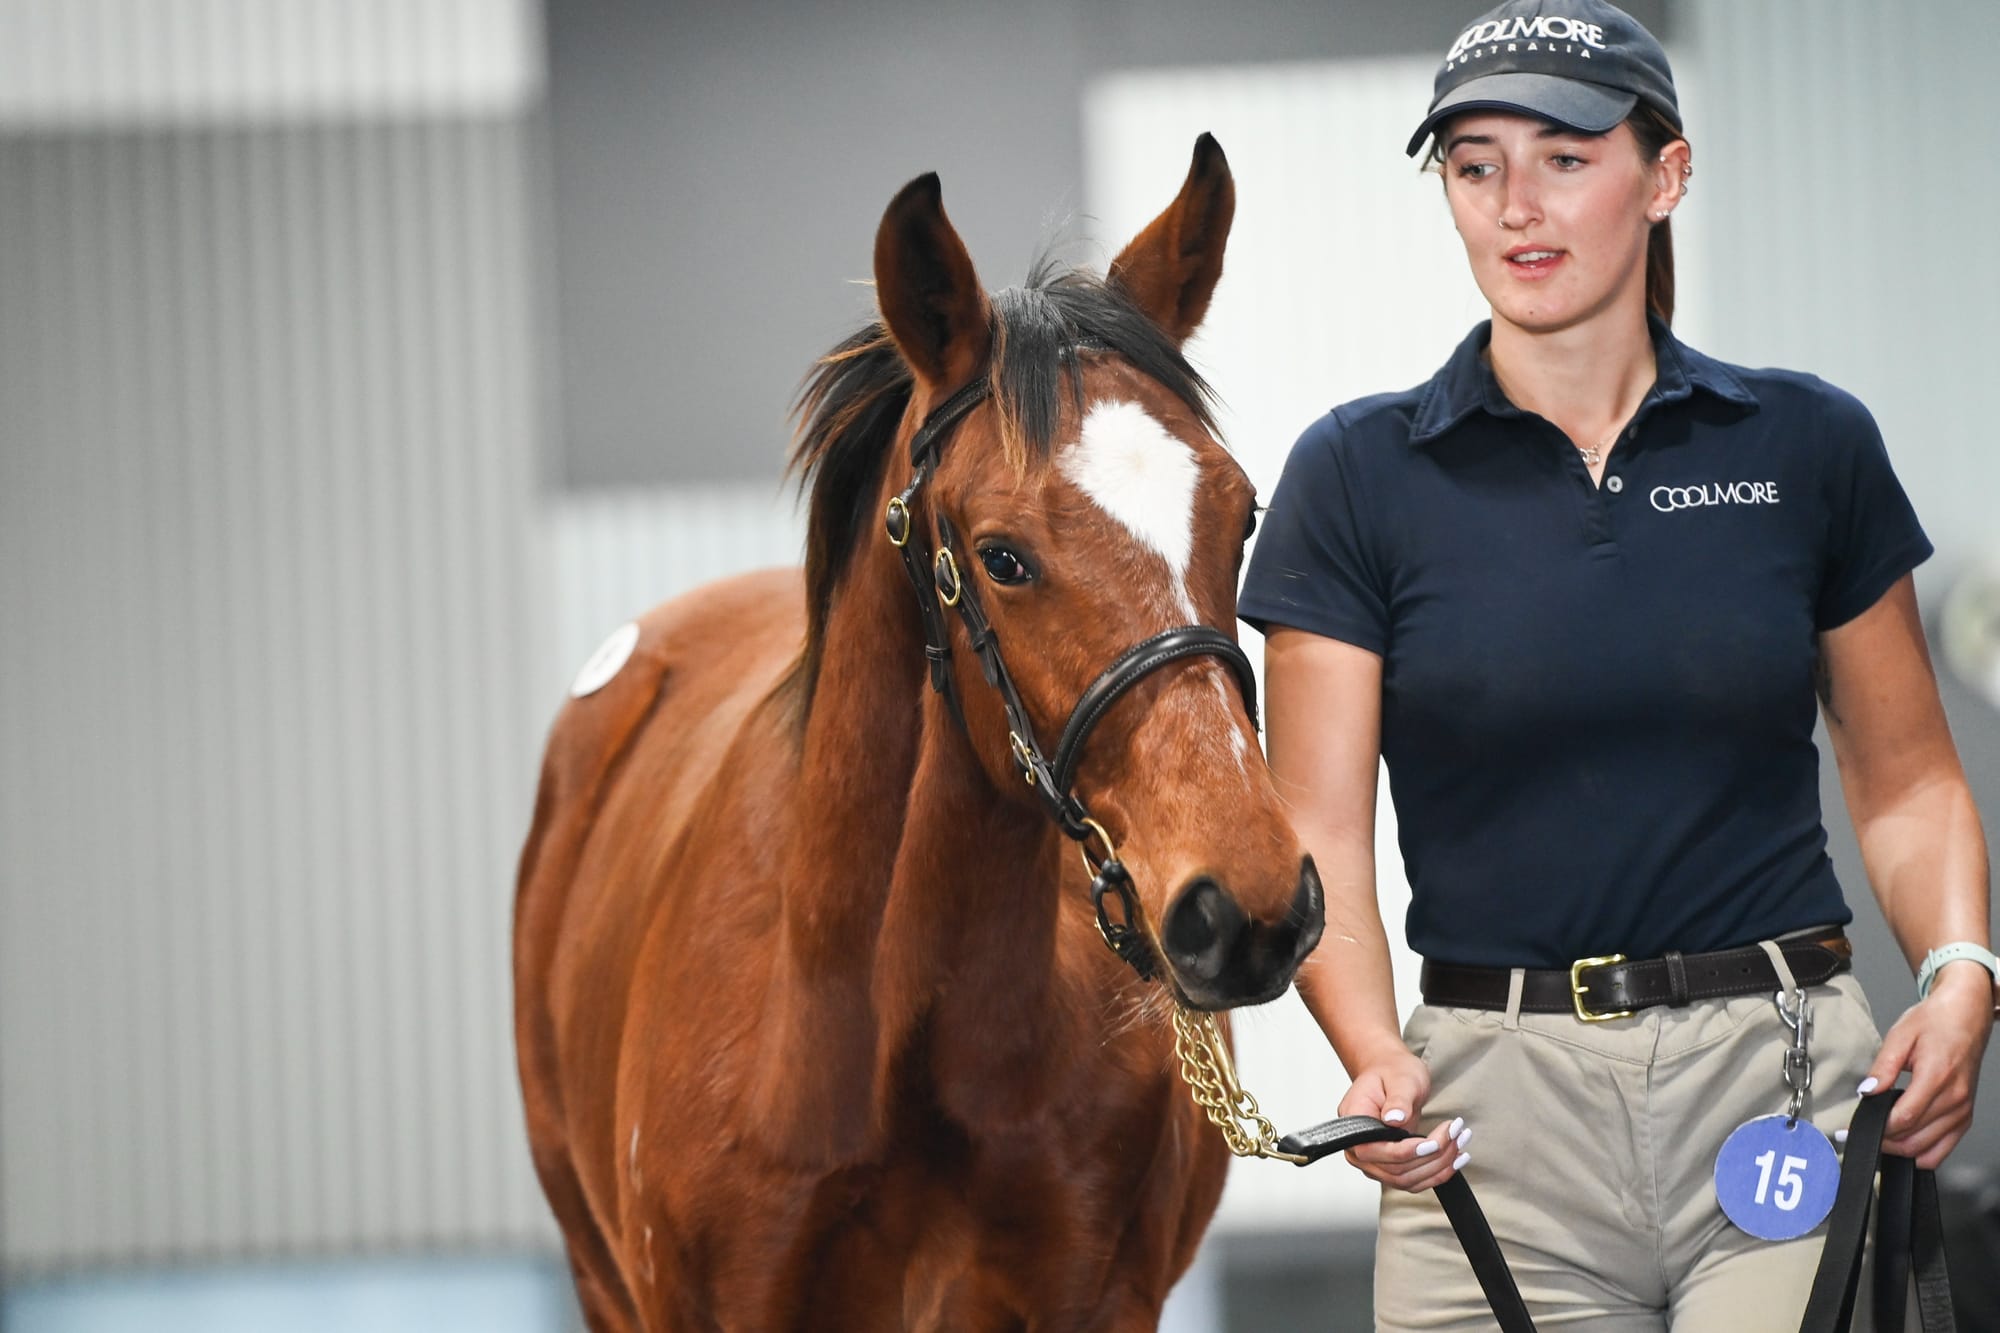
x=852 y=404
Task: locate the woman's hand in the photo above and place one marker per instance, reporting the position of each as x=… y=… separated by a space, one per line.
x=1392 y=1088
x=1941 y=1041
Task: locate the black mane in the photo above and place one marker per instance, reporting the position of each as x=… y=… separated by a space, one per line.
x=852 y=402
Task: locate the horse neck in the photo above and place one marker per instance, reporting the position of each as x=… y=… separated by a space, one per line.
x=918 y=903
x=836 y=857
x=969 y=993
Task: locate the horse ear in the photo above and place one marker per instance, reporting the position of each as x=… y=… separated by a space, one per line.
x=1170 y=269
x=930 y=296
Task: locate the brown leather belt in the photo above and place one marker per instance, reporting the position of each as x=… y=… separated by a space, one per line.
x=1596 y=989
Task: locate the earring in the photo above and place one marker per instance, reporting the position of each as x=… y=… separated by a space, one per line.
x=1661 y=216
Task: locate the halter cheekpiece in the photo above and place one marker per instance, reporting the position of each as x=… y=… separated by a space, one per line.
x=940 y=586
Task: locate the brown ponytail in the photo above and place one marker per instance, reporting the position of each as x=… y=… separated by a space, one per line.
x=1654 y=132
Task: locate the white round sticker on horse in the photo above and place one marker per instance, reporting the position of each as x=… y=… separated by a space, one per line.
x=606 y=662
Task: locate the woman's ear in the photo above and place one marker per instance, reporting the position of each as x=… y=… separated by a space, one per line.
x=1170 y=269
x=930 y=296
x=1670 y=172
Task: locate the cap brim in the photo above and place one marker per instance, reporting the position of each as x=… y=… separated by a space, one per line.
x=1588 y=107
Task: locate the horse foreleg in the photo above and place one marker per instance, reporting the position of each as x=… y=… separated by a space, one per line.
x=599 y=1289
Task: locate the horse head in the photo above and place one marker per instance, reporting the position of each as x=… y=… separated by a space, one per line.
x=1068 y=484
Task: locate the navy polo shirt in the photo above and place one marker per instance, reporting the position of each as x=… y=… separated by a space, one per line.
x=1597 y=702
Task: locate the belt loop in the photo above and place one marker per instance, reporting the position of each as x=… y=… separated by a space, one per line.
x=1517 y=977
x=1783 y=968
x=1677 y=979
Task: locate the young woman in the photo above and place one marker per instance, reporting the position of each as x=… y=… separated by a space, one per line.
x=1580 y=590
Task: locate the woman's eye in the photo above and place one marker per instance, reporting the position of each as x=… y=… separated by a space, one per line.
x=1002 y=565
x=1473 y=171
x=1567 y=161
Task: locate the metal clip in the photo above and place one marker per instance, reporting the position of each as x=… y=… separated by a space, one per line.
x=1798 y=1057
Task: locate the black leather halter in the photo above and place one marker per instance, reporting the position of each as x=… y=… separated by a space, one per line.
x=940 y=587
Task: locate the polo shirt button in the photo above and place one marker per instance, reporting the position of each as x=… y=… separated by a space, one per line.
x=1614 y=484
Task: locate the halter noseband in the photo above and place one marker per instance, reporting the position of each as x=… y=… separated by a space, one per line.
x=940 y=587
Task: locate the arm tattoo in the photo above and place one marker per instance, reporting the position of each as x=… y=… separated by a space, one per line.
x=1823 y=682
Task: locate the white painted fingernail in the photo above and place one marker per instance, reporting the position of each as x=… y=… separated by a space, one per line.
x=1840 y=1136
x=1458 y=1123
x=1868 y=1085
x=1392 y=1117
x=1464 y=1136
x=1460 y=1164
x=1427 y=1147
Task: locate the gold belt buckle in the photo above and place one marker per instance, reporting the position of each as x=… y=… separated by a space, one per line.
x=1577 y=989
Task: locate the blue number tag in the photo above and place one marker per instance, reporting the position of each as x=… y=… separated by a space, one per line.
x=1776 y=1182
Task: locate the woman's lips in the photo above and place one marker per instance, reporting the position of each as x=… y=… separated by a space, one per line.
x=1533 y=261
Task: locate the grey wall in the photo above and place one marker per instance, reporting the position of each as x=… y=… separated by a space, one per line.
x=269 y=396
x=720 y=168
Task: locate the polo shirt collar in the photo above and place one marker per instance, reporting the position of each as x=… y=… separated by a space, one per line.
x=1466 y=383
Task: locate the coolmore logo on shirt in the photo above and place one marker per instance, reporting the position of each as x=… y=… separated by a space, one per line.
x=1542 y=32
x=1667 y=499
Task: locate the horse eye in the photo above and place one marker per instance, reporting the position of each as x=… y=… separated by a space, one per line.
x=1250 y=524
x=1002 y=565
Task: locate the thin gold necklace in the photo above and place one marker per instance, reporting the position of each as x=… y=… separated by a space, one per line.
x=1593 y=454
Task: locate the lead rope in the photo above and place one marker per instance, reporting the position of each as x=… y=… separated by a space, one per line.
x=1210 y=1074
x=1199 y=1048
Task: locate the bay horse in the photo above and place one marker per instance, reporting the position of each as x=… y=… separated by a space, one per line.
x=815 y=1026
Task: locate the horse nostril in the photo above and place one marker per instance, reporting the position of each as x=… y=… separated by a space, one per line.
x=1202 y=929
x=1308 y=915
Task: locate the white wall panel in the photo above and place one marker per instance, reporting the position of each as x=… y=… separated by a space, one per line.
x=1343 y=277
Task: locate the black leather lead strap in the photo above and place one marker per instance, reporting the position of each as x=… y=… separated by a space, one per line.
x=1915 y=1230
x=1927 y=1255
x=1461 y=1209
x=1893 y=1201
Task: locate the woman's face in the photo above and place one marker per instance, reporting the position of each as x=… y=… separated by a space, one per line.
x=1555 y=223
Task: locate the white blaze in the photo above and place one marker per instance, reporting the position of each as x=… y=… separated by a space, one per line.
x=1141 y=475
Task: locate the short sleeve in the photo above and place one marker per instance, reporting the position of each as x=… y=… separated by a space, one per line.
x=1872 y=534
x=1310 y=568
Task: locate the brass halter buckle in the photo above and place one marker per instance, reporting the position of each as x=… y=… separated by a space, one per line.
x=950 y=587
x=1577 y=989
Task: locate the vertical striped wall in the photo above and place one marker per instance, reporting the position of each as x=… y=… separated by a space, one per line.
x=270 y=402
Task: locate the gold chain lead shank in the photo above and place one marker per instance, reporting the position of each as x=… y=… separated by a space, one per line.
x=1211 y=1076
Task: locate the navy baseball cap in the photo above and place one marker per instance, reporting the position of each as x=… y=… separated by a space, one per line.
x=1582 y=64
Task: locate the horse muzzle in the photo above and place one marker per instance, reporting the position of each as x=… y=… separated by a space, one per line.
x=1222 y=958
